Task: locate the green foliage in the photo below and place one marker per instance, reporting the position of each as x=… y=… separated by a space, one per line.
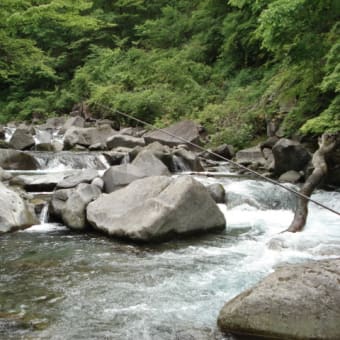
x=231 y=65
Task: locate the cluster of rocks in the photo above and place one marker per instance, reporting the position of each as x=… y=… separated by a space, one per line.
x=135 y=197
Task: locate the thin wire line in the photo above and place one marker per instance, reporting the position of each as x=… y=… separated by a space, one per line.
x=220 y=157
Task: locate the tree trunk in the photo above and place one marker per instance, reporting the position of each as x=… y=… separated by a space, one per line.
x=327 y=143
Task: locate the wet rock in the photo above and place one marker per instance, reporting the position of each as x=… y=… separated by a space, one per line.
x=45 y=147
x=21 y=140
x=2 y=132
x=73 y=212
x=124 y=141
x=224 y=150
x=291 y=176
x=296 y=302
x=179 y=133
x=133 y=131
x=76 y=121
x=217 y=192
x=186 y=161
x=15 y=213
x=97 y=147
x=98 y=182
x=87 y=136
x=119 y=176
x=37 y=183
x=4 y=176
x=71 y=181
x=150 y=165
x=155 y=208
x=57 y=203
x=17 y=160
x=249 y=156
x=289 y=155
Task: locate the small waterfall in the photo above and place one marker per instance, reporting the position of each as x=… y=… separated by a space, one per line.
x=67 y=160
x=43 y=218
x=126 y=159
x=9 y=133
x=179 y=164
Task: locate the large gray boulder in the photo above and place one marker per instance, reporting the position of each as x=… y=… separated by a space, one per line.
x=249 y=156
x=119 y=176
x=150 y=165
x=82 y=176
x=124 y=141
x=155 y=208
x=296 y=302
x=17 y=160
x=73 y=213
x=179 y=133
x=36 y=183
x=15 y=213
x=21 y=140
x=186 y=160
x=87 y=136
x=289 y=155
x=144 y=165
x=69 y=205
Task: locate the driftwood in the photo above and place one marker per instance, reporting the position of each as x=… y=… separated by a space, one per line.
x=327 y=143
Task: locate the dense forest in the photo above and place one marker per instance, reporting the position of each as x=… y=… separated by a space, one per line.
x=230 y=65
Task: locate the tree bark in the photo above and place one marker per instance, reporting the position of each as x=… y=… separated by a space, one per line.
x=327 y=143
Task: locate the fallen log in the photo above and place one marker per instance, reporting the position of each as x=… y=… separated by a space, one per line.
x=327 y=143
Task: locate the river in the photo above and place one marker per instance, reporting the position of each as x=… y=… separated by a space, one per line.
x=57 y=284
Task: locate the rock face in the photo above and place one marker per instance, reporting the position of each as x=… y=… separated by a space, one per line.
x=186 y=131
x=250 y=155
x=87 y=136
x=69 y=205
x=154 y=208
x=83 y=176
x=21 y=140
x=73 y=212
x=144 y=165
x=17 y=160
x=289 y=155
x=296 y=302
x=15 y=213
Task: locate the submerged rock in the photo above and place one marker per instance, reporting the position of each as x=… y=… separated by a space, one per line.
x=154 y=208
x=295 y=302
x=15 y=213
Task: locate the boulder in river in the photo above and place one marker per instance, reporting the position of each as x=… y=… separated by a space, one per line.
x=295 y=302
x=73 y=213
x=144 y=165
x=289 y=155
x=15 y=213
x=179 y=133
x=82 y=176
x=124 y=141
x=87 y=136
x=21 y=140
x=155 y=208
x=17 y=160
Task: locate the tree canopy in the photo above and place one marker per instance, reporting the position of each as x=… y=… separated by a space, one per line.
x=231 y=65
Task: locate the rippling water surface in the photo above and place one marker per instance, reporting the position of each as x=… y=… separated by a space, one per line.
x=56 y=284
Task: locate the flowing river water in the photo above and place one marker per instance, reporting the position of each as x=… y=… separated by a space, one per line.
x=58 y=284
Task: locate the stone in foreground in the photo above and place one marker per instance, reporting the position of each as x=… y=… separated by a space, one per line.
x=296 y=302
x=15 y=213
x=155 y=208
